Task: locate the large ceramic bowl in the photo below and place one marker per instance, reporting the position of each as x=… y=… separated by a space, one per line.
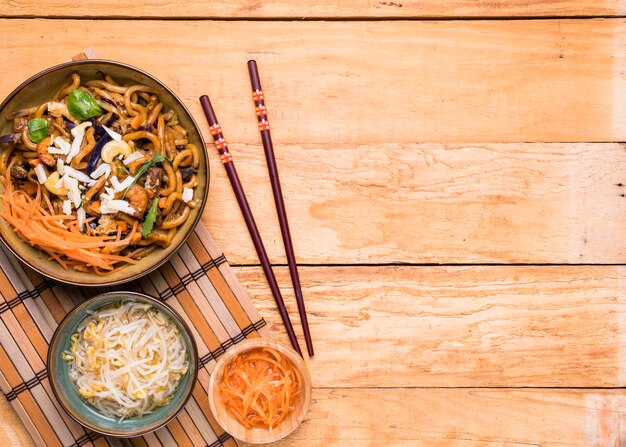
x=84 y=413
x=40 y=88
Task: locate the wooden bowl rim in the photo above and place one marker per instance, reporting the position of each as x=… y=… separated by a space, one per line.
x=292 y=355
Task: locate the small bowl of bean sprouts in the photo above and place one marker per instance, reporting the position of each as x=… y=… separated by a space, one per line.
x=122 y=364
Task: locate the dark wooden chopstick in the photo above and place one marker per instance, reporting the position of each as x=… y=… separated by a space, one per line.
x=227 y=160
x=264 y=128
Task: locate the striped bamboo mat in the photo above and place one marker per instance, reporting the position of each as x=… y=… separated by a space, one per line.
x=197 y=282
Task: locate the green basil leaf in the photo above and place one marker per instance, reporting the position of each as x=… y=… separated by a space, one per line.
x=82 y=106
x=38 y=129
x=157 y=158
x=148 y=224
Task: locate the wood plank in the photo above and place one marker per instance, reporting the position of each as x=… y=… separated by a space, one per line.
x=443 y=417
x=12 y=431
x=427 y=203
x=458 y=326
x=339 y=82
x=463 y=417
x=314 y=8
x=387 y=202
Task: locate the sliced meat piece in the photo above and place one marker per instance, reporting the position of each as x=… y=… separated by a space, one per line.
x=19 y=170
x=19 y=123
x=154 y=177
x=159 y=218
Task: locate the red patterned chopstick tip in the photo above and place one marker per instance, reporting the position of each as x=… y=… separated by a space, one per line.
x=258 y=95
x=216 y=130
x=220 y=143
x=261 y=110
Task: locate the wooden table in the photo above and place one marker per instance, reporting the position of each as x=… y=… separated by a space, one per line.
x=456 y=185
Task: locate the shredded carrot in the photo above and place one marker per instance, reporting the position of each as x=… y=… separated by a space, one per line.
x=259 y=388
x=133 y=231
x=50 y=207
x=136 y=122
x=57 y=217
x=121 y=224
x=58 y=234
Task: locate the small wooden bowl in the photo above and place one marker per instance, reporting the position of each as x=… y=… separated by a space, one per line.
x=259 y=435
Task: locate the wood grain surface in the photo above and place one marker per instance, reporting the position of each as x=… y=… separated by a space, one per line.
x=463 y=417
x=459 y=326
x=491 y=146
x=12 y=431
x=360 y=192
x=336 y=82
x=443 y=417
x=430 y=203
x=167 y=9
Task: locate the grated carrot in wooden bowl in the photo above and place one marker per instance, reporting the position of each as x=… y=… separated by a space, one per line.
x=259 y=387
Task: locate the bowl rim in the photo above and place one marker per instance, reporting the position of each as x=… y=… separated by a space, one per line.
x=253 y=343
x=198 y=218
x=194 y=366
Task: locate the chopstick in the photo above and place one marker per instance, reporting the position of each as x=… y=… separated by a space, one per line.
x=227 y=161
x=264 y=128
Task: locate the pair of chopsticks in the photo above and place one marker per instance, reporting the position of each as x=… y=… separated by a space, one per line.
x=227 y=160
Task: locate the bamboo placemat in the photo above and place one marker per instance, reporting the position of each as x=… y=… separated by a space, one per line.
x=196 y=281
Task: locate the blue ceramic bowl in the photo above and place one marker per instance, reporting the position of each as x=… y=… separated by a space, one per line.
x=84 y=413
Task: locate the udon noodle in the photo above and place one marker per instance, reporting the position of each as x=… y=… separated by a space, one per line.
x=127 y=359
x=98 y=176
